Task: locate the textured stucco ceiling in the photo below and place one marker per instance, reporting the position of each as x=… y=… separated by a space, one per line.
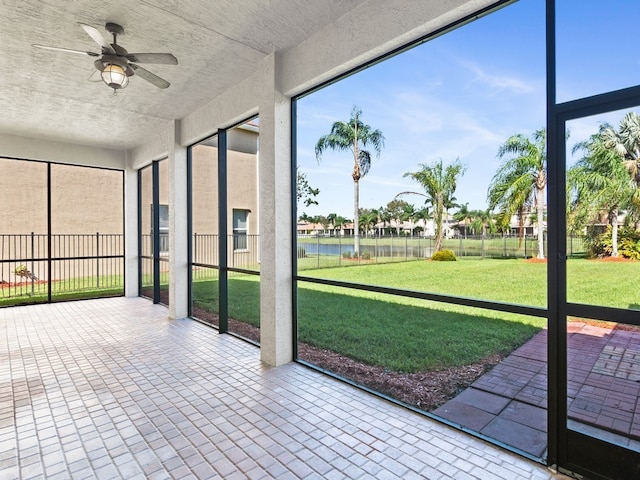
x=48 y=94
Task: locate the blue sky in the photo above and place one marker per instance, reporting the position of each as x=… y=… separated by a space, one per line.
x=463 y=94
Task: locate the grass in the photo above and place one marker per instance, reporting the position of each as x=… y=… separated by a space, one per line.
x=409 y=335
x=69 y=289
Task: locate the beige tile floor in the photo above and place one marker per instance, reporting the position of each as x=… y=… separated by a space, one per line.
x=112 y=389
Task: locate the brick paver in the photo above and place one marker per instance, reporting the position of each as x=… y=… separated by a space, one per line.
x=603 y=390
x=112 y=389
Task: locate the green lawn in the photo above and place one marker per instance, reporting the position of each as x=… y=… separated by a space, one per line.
x=406 y=334
x=69 y=289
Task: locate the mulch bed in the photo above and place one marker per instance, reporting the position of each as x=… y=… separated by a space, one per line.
x=423 y=390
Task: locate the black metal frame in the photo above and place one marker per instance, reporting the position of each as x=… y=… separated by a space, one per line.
x=49 y=258
x=568 y=450
x=223 y=273
x=223 y=235
x=155 y=228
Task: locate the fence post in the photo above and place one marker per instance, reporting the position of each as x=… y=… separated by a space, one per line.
x=525 y=246
x=97 y=259
x=406 y=248
x=339 y=251
x=195 y=247
x=318 y=249
x=460 y=247
x=482 y=246
x=377 y=251
x=32 y=263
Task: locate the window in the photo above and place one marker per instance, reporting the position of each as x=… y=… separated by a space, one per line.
x=240 y=228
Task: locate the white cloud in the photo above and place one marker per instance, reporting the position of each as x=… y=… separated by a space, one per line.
x=499 y=82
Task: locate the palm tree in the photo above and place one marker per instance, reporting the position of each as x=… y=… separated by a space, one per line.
x=367 y=219
x=424 y=215
x=464 y=216
x=521 y=180
x=439 y=183
x=409 y=214
x=626 y=143
x=354 y=136
x=599 y=182
x=339 y=222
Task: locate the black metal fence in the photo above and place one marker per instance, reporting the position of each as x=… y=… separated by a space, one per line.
x=319 y=252
x=37 y=267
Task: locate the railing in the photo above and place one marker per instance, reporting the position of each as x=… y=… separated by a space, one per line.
x=318 y=252
x=243 y=251
x=36 y=265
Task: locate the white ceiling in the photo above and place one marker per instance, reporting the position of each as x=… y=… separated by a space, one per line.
x=48 y=94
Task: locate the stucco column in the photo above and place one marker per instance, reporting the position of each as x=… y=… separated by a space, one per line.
x=178 y=258
x=131 y=232
x=276 y=329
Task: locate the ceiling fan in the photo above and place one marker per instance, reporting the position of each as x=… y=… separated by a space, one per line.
x=115 y=64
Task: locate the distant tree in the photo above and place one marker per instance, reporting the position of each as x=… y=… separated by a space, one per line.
x=382 y=219
x=353 y=136
x=464 y=216
x=409 y=215
x=305 y=218
x=424 y=215
x=395 y=210
x=339 y=222
x=439 y=182
x=367 y=219
x=521 y=180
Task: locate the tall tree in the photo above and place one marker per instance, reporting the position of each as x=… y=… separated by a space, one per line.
x=353 y=136
x=521 y=180
x=599 y=182
x=439 y=182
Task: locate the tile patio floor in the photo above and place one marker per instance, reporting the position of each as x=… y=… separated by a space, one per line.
x=111 y=389
x=509 y=403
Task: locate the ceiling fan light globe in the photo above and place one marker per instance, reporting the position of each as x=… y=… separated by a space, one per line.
x=114 y=76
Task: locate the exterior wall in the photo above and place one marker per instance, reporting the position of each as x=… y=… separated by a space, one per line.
x=84 y=202
x=242 y=193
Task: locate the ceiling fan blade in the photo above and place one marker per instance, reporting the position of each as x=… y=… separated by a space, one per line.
x=157 y=58
x=98 y=38
x=149 y=77
x=68 y=50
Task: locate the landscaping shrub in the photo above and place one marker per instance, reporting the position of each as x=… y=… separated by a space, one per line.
x=365 y=255
x=600 y=245
x=346 y=254
x=444 y=256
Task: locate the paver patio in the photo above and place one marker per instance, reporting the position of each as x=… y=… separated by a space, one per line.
x=509 y=403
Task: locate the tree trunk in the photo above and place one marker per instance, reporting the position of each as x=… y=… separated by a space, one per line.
x=439 y=228
x=540 y=208
x=356 y=218
x=613 y=219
